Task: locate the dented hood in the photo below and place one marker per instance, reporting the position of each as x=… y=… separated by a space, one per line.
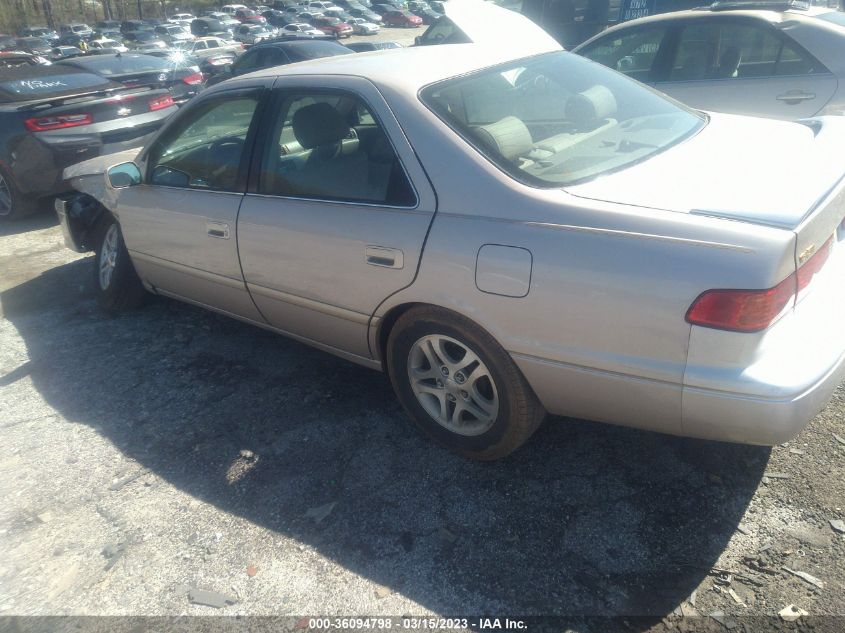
x=760 y=171
x=486 y=23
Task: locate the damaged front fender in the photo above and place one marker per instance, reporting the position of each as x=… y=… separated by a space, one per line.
x=80 y=213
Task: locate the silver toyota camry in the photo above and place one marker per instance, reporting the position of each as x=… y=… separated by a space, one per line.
x=506 y=234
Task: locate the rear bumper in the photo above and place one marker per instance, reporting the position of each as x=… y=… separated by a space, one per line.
x=763 y=388
x=734 y=417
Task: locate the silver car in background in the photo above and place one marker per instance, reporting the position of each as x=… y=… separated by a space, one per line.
x=783 y=60
x=504 y=234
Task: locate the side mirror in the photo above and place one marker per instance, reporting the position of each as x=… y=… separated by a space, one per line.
x=169 y=177
x=124 y=175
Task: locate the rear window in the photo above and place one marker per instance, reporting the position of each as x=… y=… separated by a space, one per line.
x=22 y=86
x=557 y=119
x=109 y=65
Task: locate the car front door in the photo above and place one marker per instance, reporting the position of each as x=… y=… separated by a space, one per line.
x=180 y=223
x=745 y=66
x=336 y=214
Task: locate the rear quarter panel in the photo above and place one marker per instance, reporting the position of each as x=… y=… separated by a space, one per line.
x=602 y=332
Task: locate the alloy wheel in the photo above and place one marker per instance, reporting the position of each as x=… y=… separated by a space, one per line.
x=453 y=385
x=108 y=257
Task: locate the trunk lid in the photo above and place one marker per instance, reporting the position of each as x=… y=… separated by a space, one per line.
x=775 y=173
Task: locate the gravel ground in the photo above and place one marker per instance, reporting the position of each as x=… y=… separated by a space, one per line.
x=170 y=449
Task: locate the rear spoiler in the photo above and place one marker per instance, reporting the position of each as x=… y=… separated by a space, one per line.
x=84 y=96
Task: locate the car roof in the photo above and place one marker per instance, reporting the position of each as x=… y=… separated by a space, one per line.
x=758 y=11
x=390 y=67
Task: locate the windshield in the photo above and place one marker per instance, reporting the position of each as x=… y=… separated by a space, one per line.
x=558 y=119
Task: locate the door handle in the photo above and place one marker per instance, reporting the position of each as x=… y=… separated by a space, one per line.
x=384 y=256
x=795 y=96
x=219 y=230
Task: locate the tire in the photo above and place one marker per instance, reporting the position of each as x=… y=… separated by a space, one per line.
x=13 y=203
x=117 y=284
x=499 y=411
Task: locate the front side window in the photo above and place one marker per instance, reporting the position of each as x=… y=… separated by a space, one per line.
x=632 y=53
x=205 y=149
x=557 y=119
x=329 y=146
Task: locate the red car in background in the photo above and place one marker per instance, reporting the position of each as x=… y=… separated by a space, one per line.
x=248 y=16
x=401 y=17
x=333 y=26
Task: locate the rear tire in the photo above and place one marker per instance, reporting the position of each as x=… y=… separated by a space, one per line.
x=461 y=388
x=117 y=284
x=14 y=204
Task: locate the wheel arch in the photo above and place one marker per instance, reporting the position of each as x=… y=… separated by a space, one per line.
x=386 y=323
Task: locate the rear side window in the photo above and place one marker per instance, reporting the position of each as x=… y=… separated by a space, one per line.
x=330 y=147
x=205 y=149
x=734 y=50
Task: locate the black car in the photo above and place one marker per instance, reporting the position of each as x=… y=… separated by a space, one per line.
x=39 y=31
x=209 y=27
x=54 y=116
x=277 y=18
x=33 y=45
x=71 y=39
x=428 y=15
x=364 y=47
x=65 y=52
x=134 y=69
x=129 y=26
x=278 y=53
x=107 y=25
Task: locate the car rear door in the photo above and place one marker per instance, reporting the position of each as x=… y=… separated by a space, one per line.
x=743 y=65
x=336 y=214
x=180 y=223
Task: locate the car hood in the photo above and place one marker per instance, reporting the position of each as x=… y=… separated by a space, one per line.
x=486 y=23
x=760 y=171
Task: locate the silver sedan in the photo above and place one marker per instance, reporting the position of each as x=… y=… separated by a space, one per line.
x=782 y=64
x=504 y=236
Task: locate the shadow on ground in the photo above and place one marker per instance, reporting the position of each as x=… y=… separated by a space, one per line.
x=43 y=219
x=586 y=519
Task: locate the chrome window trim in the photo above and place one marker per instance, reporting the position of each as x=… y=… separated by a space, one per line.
x=387 y=207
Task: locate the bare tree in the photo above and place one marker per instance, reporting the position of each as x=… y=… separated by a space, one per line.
x=48 y=13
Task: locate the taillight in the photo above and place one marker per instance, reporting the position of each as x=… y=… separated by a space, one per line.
x=161 y=103
x=741 y=310
x=754 y=310
x=193 y=80
x=56 y=122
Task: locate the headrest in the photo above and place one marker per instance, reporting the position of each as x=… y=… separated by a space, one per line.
x=319 y=124
x=592 y=105
x=508 y=136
